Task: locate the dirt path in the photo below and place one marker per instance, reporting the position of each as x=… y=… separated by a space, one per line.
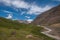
x=47 y=33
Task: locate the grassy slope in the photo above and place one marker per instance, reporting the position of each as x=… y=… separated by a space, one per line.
x=13 y=30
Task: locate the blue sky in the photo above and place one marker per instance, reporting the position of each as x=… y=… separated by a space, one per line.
x=25 y=9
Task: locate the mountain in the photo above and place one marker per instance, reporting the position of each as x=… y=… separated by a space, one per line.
x=23 y=21
x=49 y=17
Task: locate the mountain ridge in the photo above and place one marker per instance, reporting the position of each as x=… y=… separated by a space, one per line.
x=49 y=17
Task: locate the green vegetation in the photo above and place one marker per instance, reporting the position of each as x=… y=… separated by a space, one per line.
x=13 y=30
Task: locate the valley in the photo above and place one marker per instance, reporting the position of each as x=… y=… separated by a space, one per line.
x=13 y=30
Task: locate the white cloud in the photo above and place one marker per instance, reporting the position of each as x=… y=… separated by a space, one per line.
x=9 y=16
x=22 y=13
x=16 y=3
x=6 y=11
x=6 y=2
x=30 y=20
x=28 y=17
x=20 y=4
x=33 y=8
x=37 y=10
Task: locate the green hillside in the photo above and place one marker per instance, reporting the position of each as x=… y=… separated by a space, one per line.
x=13 y=30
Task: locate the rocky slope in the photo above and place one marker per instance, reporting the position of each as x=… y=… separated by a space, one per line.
x=49 y=17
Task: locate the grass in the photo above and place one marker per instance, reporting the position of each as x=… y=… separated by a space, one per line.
x=13 y=30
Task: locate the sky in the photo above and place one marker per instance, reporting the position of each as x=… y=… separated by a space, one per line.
x=25 y=9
